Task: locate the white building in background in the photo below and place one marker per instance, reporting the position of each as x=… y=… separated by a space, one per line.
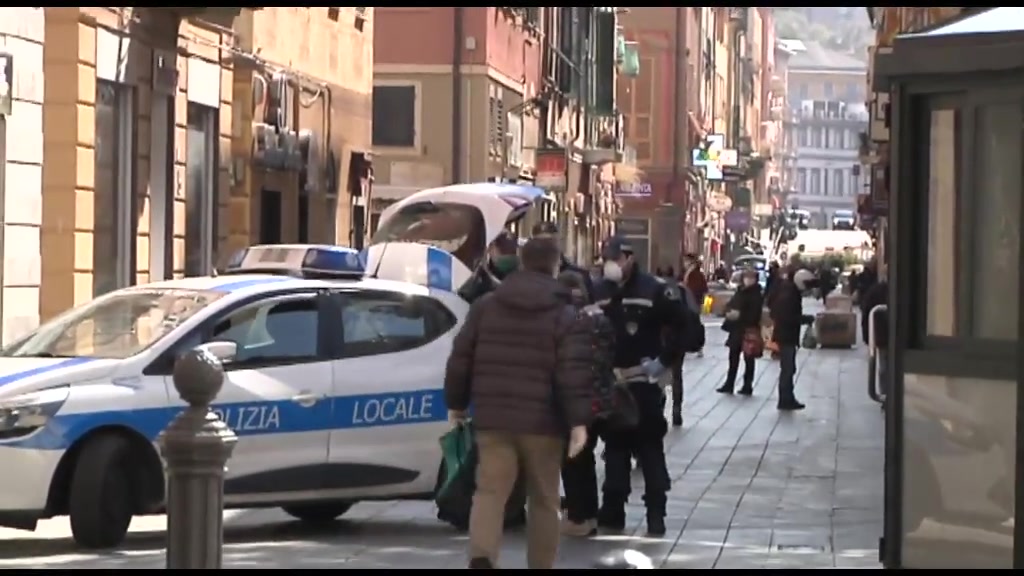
x=826 y=92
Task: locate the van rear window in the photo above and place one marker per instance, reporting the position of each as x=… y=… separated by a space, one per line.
x=455 y=228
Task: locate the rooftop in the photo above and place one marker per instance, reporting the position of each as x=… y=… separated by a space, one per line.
x=815 y=57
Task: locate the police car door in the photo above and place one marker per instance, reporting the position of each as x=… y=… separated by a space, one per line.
x=388 y=393
x=275 y=395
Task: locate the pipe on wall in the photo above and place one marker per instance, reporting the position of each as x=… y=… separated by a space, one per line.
x=458 y=39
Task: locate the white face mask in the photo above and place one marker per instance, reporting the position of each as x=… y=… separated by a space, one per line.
x=612 y=271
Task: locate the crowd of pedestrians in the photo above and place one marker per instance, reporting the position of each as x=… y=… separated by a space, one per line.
x=553 y=358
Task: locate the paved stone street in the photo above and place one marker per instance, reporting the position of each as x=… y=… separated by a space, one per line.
x=752 y=488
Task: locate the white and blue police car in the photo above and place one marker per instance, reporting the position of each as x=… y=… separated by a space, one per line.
x=334 y=362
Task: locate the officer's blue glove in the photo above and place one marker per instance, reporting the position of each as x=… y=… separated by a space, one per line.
x=653 y=368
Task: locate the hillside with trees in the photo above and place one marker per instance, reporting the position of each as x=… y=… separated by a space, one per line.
x=838 y=28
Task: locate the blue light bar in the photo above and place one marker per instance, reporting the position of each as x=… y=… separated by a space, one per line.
x=301 y=260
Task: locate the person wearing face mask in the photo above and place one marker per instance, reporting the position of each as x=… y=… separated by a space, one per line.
x=649 y=320
x=743 y=323
x=502 y=260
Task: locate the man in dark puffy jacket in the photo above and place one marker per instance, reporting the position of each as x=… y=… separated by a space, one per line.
x=523 y=360
x=549 y=230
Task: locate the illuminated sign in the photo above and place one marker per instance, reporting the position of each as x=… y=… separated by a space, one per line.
x=713 y=156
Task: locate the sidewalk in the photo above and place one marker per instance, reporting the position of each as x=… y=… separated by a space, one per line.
x=752 y=488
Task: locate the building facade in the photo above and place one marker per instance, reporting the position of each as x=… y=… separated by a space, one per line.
x=310 y=83
x=490 y=98
x=660 y=106
x=153 y=158
x=22 y=34
x=785 y=155
x=826 y=96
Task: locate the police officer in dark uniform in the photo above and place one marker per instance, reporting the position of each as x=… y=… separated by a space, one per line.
x=649 y=320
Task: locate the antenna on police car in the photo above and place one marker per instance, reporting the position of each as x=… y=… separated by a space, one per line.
x=380 y=260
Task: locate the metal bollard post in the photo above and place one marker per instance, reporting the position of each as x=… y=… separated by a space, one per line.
x=873 y=355
x=196 y=446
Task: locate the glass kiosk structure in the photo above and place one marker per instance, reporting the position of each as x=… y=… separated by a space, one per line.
x=953 y=414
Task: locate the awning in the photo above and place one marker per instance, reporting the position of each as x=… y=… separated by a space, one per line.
x=988 y=41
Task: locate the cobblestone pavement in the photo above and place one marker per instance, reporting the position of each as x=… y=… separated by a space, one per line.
x=752 y=488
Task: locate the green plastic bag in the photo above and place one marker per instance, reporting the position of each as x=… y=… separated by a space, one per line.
x=459 y=456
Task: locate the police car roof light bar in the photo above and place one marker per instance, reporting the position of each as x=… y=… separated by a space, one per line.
x=299 y=260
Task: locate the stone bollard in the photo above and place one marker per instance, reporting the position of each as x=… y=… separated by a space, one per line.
x=196 y=446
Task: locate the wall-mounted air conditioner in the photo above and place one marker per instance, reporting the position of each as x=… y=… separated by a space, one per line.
x=290 y=150
x=266 y=150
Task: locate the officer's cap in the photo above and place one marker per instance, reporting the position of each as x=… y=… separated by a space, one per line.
x=615 y=247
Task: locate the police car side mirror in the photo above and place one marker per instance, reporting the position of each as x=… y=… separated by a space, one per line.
x=223 y=350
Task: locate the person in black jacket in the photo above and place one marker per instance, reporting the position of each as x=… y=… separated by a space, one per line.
x=788 y=318
x=743 y=314
x=579 y=474
x=502 y=260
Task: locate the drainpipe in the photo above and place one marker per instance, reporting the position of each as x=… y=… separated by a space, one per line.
x=459 y=39
x=680 y=134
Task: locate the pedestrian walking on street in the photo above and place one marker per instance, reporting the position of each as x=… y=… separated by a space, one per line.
x=649 y=319
x=579 y=474
x=743 y=323
x=694 y=279
x=522 y=359
x=788 y=319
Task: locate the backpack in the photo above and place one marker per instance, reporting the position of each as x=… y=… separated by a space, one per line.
x=694 y=336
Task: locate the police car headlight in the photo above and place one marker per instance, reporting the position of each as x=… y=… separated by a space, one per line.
x=24 y=413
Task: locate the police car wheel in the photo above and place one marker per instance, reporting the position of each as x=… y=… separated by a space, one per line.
x=318 y=513
x=100 y=501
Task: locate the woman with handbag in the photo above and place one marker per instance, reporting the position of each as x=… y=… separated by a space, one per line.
x=743 y=323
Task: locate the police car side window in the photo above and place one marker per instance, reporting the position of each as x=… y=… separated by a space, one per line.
x=387 y=323
x=271 y=332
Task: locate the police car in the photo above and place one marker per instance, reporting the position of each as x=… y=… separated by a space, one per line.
x=334 y=366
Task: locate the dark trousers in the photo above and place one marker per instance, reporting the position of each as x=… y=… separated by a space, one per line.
x=787 y=372
x=579 y=480
x=735 y=352
x=677 y=384
x=646 y=441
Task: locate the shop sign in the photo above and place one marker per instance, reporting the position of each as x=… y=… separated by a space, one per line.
x=737 y=221
x=719 y=202
x=633 y=189
x=551 y=169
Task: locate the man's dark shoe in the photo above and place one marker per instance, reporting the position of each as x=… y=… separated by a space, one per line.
x=746 y=390
x=724 y=389
x=480 y=564
x=655 y=525
x=612 y=519
x=791 y=406
x=677 y=417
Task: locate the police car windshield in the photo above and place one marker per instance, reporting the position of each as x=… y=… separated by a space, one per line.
x=455 y=228
x=116 y=326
